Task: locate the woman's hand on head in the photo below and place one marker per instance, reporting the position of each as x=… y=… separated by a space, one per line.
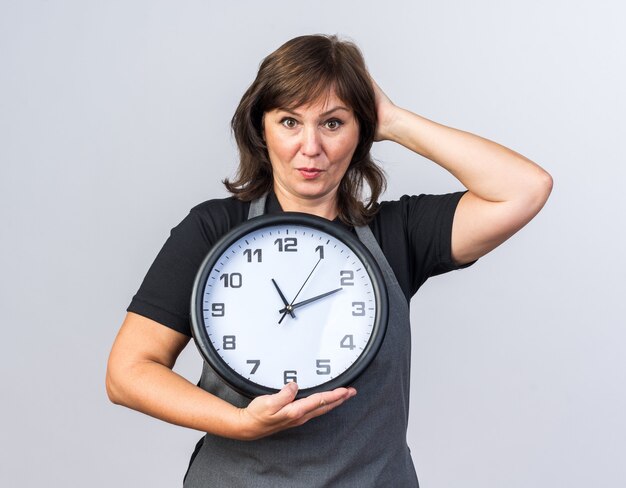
x=386 y=112
x=268 y=414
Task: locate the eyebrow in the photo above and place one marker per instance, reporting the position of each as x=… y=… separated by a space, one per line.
x=325 y=114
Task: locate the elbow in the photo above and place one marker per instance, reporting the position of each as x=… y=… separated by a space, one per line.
x=111 y=389
x=531 y=198
x=545 y=185
x=539 y=191
x=114 y=388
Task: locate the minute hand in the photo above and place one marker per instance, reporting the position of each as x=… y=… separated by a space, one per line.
x=305 y=302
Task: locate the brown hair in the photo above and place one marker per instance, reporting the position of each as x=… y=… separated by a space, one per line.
x=301 y=71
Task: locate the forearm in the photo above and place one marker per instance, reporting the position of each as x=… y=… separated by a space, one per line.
x=139 y=376
x=156 y=390
x=488 y=170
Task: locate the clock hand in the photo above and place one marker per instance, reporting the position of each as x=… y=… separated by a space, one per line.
x=305 y=302
x=288 y=308
x=282 y=297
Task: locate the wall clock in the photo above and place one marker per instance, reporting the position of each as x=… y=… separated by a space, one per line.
x=288 y=297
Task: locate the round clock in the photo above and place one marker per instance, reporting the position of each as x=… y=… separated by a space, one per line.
x=288 y=297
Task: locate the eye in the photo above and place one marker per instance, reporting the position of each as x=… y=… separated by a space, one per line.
x=333 y=124
x=289 y=122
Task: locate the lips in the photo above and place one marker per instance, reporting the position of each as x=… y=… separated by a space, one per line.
x=310 y=173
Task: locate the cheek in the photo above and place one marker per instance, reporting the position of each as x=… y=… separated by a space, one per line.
x=344 y=149
x=280 y=150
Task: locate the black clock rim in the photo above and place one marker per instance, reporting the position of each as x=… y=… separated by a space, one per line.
x=241 y=384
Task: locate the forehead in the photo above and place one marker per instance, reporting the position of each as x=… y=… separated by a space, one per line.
x=326 y=101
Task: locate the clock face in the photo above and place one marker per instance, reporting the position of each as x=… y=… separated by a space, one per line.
x=288 y=297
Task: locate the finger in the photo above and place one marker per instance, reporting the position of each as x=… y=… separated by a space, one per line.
x=325 y=398
x=284 y=397
x=323 y=408
x=318 y=403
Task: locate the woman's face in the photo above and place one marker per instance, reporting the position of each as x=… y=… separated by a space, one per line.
x=310 y=148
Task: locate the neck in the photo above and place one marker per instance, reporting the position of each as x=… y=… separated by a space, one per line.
x=325 y=206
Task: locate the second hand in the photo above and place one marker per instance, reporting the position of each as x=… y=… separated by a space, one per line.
x=288 y=309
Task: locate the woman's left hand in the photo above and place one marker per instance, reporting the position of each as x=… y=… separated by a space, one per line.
x=506 y=190
x=386 y=113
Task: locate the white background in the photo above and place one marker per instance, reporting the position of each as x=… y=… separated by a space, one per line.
x=114 y=121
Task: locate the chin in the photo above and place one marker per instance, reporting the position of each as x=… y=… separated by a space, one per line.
x=312 y=191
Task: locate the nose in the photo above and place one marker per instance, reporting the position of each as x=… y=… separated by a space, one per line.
x=311 y=145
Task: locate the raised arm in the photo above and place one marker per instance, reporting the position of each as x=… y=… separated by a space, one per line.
x=505 y=189
x=140 y=376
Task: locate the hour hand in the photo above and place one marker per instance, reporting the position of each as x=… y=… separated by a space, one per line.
x=305 y=302
x=285 y=302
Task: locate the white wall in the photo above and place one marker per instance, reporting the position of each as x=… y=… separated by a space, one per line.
x=114 y=122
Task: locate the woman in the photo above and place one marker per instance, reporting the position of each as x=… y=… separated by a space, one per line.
x=304 y=130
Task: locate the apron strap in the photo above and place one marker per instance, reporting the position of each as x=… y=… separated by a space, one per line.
x=257 y=207
x=367 y=237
